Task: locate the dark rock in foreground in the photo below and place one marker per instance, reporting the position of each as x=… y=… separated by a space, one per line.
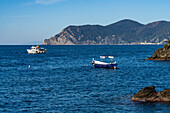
x=162 y=53
x=149 y=94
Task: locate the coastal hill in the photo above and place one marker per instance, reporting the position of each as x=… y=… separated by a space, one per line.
x=122 y=32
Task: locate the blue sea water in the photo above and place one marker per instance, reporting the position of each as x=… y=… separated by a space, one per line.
x=60 y=81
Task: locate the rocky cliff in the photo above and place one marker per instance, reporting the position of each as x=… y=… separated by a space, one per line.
x=162 y=53
x=122 y=32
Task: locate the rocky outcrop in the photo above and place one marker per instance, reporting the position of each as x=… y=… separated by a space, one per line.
x=122 y=32
x=149 y=94
x=162 y=53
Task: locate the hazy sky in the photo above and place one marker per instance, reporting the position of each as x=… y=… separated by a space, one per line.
x=24 y=21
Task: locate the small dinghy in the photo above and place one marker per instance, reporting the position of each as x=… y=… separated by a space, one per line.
x=100 y=64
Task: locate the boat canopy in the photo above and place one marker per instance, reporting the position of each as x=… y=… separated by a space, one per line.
x=102 y=57
x=110 y=57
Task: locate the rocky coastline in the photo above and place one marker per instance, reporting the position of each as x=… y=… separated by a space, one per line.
x=162 y=53
x=149 y=94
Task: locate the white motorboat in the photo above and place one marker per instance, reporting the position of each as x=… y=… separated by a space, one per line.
x=36 y=50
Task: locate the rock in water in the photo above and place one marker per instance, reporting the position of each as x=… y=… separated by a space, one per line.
x=149 y=94
x=145 y=94
x=165 y=95
x=162 y=53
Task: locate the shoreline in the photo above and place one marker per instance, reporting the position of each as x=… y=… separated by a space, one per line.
x=83 y=45
x=157 y=59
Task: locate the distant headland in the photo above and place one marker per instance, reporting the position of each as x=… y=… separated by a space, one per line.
x=123 y=32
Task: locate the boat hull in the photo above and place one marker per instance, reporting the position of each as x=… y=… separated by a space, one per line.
x=35 y=51
x=113 y=66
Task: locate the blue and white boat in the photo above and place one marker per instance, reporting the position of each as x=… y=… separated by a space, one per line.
x=100 y=64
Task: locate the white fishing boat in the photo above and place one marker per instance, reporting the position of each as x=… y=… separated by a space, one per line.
x=101 y=64
x=36 y=50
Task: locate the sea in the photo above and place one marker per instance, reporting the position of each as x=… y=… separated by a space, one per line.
x=63 y=80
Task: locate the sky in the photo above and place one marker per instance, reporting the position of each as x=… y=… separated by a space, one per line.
x=23 y=21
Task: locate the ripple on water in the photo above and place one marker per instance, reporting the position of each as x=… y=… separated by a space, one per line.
x=59 y=80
